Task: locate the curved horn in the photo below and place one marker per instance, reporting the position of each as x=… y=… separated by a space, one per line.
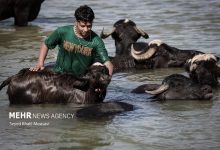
x=159 y=90
x=157 y=42
x=140 y=31
x=192 y=67
x=204 y=57
x=140 y=55
x=105 y=35
x=136 y=52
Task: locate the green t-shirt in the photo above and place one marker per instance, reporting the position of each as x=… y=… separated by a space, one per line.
x=76 y=54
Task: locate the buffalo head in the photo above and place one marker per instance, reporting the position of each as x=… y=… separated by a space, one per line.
x=124 y=32
x=98 y=76
x=203 y=69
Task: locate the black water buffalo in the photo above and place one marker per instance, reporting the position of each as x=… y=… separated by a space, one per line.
x=122 y=63
x=154 y=54
x=22 y=10
x=124 y=32
x=203 y=72
x=157 y=54
x=45 y=86
x=177 y=87
x=103 y=110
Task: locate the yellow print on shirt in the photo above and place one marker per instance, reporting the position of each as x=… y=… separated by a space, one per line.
x=77 y=48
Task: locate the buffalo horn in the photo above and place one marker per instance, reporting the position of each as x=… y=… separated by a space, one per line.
x=140 y=55
x=159 y=90
x=157 y=42
x=105 y=35
x=140 y=31
x=204 y=57
x=192 y=67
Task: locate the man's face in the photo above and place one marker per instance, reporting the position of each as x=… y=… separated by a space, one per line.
x=83 y=28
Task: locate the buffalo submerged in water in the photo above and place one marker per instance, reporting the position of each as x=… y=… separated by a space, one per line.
x=154 y=54
x=45 y=86
x=203 y=71
x=176 y=87
x=22 y=11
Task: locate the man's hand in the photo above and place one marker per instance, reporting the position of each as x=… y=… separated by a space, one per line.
x=36 y=68
x=109 y=65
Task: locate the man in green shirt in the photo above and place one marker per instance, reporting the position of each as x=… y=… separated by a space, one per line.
x=78 y=46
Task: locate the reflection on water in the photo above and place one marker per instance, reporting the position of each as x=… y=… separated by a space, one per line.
x=169 y=125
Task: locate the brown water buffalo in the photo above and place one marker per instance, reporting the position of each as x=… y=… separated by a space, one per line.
x=203 y=72
x=28 y=87
x=124 y=32
x=22 y=10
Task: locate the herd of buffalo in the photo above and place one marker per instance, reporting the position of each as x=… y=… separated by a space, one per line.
x=27 y=87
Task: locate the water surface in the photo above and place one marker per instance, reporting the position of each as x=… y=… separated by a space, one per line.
x=171 y=125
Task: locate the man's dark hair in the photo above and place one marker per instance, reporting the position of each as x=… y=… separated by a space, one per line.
x=84 y=13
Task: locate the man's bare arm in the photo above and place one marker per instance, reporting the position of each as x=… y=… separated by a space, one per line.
x=42 y=55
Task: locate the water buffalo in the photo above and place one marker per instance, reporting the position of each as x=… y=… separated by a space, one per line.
x=154 y=54
x=124 y=32
x=176 y=87
x=28 y=87
x=22 y=10
x=122 y=63
x=203 y=72
x=157 y=54
x=103 y=109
